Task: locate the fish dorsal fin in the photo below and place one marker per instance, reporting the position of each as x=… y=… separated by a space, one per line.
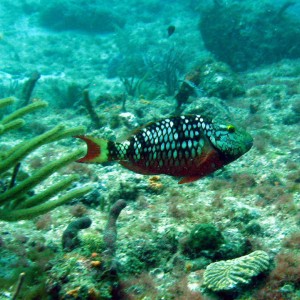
x=172 y=117
x=126 y=136
x=140 y=128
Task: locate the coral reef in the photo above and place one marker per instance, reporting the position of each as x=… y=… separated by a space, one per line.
x=283 y=281
x=125 y=190
x=28 y=87
x=210 y=78
x=99 y=269
x=132 y=73
x=29 y=256
x=145 y=69
x=202 y=237
x=246 y=36
x=230 y=274
x=72 y=15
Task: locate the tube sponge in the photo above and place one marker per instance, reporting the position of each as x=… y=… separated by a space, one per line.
x=70 y=238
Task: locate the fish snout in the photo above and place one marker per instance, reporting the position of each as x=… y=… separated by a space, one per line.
x=248 y=142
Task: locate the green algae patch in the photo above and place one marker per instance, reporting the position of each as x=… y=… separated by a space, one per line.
x=203 y=236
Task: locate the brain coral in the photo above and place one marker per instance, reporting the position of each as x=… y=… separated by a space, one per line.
x=229 y=274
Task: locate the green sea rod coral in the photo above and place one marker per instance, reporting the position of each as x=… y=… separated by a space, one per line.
x=227 y=275
x=15 y=201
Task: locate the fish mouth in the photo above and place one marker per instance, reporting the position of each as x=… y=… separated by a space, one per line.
x=248 y=142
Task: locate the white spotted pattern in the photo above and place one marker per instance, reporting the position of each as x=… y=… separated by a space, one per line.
x=169 y=143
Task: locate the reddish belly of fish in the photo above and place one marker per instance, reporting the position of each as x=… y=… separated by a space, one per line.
x=197 y=167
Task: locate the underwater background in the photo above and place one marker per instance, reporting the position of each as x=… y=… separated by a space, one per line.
x=105 y=68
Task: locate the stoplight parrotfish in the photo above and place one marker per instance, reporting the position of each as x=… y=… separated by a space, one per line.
x=188 y=146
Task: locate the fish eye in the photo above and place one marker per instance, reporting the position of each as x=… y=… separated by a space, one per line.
x=230 y=128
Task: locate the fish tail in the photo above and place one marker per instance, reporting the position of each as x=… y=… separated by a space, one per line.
x=97 y=150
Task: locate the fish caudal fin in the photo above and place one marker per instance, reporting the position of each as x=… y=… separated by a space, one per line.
x=97 y=150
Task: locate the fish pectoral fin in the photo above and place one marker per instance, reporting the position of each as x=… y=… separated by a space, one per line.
x=208 y=153
x=189 y=179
